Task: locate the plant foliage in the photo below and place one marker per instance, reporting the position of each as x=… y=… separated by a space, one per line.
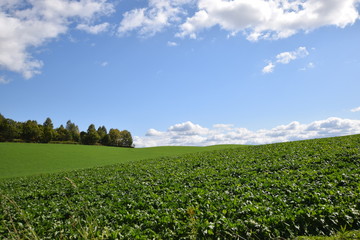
x=257 y=192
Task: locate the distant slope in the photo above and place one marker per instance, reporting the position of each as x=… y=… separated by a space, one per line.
x=24 y=159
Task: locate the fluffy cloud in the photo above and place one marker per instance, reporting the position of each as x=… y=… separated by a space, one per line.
x=172 y=44
x=269 y=19
x=190 y=134
x=3 y=80
x=257 y=19
x=94 y=29
x=148 y=21
x=31 y=23
x=268 y=68
x=286 y=57
x=355 y=109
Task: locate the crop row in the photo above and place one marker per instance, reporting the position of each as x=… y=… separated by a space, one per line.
x=256 y=192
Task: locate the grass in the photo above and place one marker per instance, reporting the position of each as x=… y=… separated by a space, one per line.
x=276 y=191
x=344 y=235
x=25 y=159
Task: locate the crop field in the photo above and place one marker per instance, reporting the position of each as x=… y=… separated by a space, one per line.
x=24 y=159
x=256 y=192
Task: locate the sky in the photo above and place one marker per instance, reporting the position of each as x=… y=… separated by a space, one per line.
x=184 y=72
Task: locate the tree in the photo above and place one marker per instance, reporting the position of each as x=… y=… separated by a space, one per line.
x=102 y=131
x=126 y=139
x=106 y=140
x=114 y=135
x=120 y=138
x=48 y=131
x=83 y=137
x=92 y=137
x=102 y=134
x=73 y=131
x=31 y=131
x=62 y=134
x=9 y=130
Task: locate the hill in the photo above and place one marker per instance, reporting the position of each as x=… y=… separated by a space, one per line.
x=24 y=159
x=257 y=192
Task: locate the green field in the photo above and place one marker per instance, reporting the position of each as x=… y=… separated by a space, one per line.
x=24 y=159
x=276 y=191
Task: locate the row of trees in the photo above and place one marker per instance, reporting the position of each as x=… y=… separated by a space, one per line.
x=31 y=131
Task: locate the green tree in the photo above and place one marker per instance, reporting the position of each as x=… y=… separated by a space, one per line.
x=102 y=131
x=126 y=139
x=92 y=137
x=83 y=136
x=9 y=129
x=114 y=135
x=48 y=131
x=31 y=131
x=106 y=140
x=73 y=131
x=102 y=134
x=62 y=134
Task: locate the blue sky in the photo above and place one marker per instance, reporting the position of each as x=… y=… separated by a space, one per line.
x=184 y=72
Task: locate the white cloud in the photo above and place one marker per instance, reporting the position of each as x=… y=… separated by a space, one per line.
x=104 y=64
x=223 y=126
x=310 y=65
x=172 y=44
x=274 y=19
x=3 y=80
x=268 y=68
x=95 y=29
x=187 y=128
x=355 y=109
x=31 y=23
x=153 y=19
x=190 y=134
x=287 y=57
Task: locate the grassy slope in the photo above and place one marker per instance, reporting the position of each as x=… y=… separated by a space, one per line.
x=285 y=190
x=24 y=159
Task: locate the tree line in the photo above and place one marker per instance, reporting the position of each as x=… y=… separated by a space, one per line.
x=31 y=131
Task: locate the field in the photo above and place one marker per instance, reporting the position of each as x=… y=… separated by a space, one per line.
x=256 y=192
x=24 y=159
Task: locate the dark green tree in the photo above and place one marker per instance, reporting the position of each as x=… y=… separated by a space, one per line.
x=102 y=131
x=48 y=131
x=106 y=140
x=83 y=136
x=31 y=131
x=102 y=134
x=9 y=129
x=126 y=139
x=62 y=134
x=92 y=137
x=73 y=131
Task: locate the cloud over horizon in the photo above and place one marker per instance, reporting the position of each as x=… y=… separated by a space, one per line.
x=355 y=109
x=190 y=134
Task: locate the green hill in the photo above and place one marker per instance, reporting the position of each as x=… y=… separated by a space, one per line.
x=24 y=159
x=275 y=191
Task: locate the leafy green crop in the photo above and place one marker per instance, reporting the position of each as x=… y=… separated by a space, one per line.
x=258 y=192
